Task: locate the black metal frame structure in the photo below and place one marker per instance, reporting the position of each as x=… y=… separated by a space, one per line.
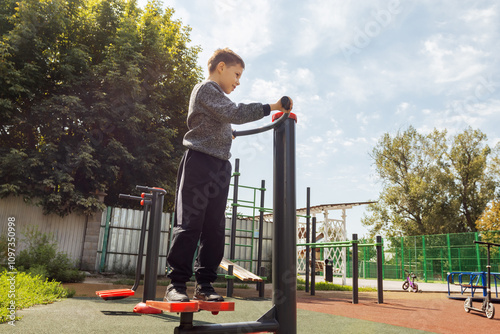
x=282 y=317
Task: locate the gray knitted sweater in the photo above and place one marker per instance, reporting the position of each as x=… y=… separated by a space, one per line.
x=210 y=116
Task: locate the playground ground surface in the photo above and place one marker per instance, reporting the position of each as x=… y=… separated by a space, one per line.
x=326 y=312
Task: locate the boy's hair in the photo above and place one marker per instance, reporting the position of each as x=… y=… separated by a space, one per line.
x=225 y=55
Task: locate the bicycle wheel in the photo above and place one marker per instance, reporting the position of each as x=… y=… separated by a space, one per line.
x=468 y=304
x=406 y=285
x=415 y=287
x=490 y=310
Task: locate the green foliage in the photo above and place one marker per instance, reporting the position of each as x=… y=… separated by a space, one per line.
x=93 y=98
x=431 y=184
x=41 y=258
x=22 y=290
x=490 y=221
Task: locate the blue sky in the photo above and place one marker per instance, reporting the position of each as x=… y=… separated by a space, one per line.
x=355 y=70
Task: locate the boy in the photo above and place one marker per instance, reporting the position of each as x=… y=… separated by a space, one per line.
x=204 y=176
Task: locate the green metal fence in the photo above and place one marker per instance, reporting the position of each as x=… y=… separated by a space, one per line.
x=431 y=257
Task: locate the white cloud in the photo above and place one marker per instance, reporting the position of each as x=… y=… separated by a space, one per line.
x=451 y=60
x=367 y=119
x=480 y=16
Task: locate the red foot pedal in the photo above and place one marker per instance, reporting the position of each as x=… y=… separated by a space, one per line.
x=192 y=306
x=216 y=306
x=146 y=309
x=115 y=294
x=174 y=307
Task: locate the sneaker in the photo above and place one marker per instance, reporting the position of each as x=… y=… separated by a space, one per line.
x=206 y=292
x=176 y=293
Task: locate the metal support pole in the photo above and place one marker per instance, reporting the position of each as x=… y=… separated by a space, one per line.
x=285 y=229
x=142 y=239
x=488 y=268
x=232 y=243
x=153 y=246
x=261 y=285
x=380 y=279
x=313 y=258
x=235 y=210
x=355 y=273
x=308 y=213
x=425 y=258
x=230 y=281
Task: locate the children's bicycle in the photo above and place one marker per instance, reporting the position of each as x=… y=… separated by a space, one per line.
x=410 y=282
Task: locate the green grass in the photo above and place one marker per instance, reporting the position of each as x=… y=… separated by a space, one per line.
x=19 y=290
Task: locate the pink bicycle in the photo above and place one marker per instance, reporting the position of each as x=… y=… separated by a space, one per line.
x=410 y=282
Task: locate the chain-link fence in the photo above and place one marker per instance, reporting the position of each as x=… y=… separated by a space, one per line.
x=430 y=257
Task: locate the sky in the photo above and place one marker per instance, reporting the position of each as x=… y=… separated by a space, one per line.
x=355 y=70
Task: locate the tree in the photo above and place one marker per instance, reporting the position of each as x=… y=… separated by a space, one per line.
x=93 y=97
x=489 y=222
x=409 y=165
x=430 y=186
x=473 y=187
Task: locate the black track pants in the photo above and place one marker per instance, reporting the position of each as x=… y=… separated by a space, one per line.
x=201 y=196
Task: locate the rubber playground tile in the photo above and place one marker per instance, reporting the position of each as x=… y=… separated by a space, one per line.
x=92 y=315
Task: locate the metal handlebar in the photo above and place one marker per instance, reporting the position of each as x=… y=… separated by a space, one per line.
x=151 y=189
x=285 y=102
x=262 y=128
x=137 y=198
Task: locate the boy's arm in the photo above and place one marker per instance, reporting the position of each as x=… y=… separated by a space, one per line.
x=226 y=111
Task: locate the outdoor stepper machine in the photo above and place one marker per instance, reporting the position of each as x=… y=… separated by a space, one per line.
x=487 y=306
x=282 y=317
x=152 y=200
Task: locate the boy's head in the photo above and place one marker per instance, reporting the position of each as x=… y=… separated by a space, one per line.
x=226 y=68
x=226 y=56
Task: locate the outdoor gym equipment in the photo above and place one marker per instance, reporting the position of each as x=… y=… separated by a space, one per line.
x=282 y=317
x=354 y=243
x=152 y=200
x=410 y=282
x=124 y=293
x=487 y=306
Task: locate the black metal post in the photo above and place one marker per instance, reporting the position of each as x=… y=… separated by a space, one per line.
x=284 y=224
x=235 y=209
x=153 y=246
x=380 y=279
x=308 y=213
x=488 y=269
x=230 y=281
x=261 y=285
x=234 y=215
x=313 y=258
x=142 y=239
x=355 y=272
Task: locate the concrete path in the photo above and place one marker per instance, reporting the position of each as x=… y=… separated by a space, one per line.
x=391 y=285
